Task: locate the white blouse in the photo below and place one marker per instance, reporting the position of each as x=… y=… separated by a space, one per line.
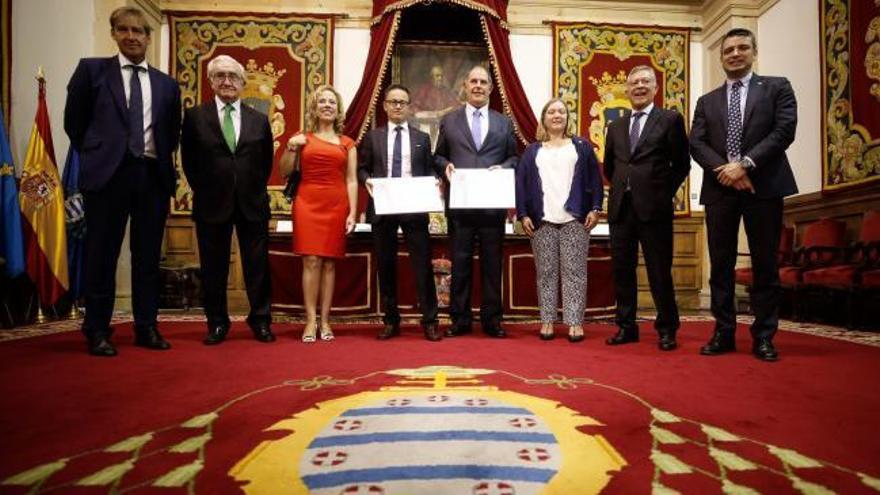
x=556 y=168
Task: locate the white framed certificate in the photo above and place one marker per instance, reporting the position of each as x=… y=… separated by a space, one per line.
x=406 y=195
x=482 y=188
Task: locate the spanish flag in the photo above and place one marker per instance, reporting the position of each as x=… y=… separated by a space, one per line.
x=42 y=206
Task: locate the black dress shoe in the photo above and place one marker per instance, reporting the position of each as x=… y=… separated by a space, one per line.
x=101 y=347
x=263 y=333
x=150 y=338
x=216 y=334
x=623 y=337
x=388 y=331
x=763 y=349
x=575 y=338
x=432 y=332
x=547 y=336
x=667 y=341
x=720 y=343
x=495 y=331
x=457 y=330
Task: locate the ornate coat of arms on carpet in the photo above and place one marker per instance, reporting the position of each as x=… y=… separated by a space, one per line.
x=286 y=56
x=850 y=93
x=438 y=429
x=590 y=65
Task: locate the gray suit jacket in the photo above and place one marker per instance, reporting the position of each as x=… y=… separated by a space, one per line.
x=455 y=144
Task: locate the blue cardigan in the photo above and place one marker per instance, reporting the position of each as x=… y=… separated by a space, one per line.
x=586 y=185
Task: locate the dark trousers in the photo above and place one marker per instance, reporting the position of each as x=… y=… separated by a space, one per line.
x=134 y=191
x=762 y=219
x=215 y=240
x=466 y=229
x=655 y=237
x=415 y=232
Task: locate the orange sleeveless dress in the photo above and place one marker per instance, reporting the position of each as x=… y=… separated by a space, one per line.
x=321 y=204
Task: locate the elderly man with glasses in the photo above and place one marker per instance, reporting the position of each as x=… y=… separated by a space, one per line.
x=227 y=155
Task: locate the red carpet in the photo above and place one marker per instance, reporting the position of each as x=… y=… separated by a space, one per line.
x=678 y=420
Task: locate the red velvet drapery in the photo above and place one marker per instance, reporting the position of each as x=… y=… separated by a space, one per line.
x=386 y=19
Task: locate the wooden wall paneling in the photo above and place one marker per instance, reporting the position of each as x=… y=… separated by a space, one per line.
x=688 y=250
x=848 y=205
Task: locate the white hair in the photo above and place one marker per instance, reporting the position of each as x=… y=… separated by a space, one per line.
x=642 y=68
x=225 y=59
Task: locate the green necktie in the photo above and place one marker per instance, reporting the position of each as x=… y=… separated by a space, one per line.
x=228 y=127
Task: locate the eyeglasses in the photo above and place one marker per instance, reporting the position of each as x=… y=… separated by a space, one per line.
x=397 y=103
x=228 y=76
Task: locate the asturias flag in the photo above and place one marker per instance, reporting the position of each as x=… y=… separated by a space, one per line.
x=42 y=206
x=11 y=247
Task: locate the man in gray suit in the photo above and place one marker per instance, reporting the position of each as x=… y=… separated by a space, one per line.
x=475 y=137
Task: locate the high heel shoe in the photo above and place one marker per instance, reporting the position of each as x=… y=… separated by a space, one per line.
x=309 y=333
x=326 y=332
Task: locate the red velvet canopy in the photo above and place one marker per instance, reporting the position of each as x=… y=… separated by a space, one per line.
x=383 y=34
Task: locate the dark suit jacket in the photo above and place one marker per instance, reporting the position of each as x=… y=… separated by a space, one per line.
x=656 y=168
x=769 y=124
x=584 y=195
x=96 y=120
x=373 y=157
x=219 y=178
x=455 y=144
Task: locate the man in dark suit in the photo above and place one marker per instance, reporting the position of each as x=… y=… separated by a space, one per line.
x=404 y=152
x=123 y=117
x=227 y=153
x=475 y=137
x=646 y=160
x=739 y=136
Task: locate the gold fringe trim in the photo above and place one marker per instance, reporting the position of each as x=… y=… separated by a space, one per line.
x=504 y=101
x=403 y=4
x=371 y=110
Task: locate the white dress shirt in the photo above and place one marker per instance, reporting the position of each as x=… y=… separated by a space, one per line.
x=405 y=157
x=743 y=95
x=646 y=111
x=484 y=119
x=236 y=115
x=146 y=95
x=556 y=169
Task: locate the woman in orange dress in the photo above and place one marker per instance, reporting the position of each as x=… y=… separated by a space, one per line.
x=325 y=204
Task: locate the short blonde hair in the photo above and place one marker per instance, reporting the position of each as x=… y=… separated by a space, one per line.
x=312 y=110
x=542 y=134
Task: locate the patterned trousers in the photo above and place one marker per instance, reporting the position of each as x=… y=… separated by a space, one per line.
x=561 y=246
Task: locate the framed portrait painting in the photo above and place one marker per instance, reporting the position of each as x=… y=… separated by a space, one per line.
x=434 y=74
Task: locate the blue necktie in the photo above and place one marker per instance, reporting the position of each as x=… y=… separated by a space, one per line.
x=135 y=113
x=477 y=130
x=397 y=156
x=734 y=122
x=635 y=131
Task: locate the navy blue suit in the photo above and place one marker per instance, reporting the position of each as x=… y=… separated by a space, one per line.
x=373 y=162
x=117 y=185
x=769 y=126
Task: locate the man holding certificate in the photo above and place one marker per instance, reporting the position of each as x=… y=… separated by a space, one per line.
x=475 y=137
x=388 y=155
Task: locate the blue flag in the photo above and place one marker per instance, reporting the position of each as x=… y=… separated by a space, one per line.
x=75 y=221
x=11 y=244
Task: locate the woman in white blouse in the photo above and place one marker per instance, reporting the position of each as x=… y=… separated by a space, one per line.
x=558 y=200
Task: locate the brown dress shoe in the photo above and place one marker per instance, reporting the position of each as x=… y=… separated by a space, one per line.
x=432 y=332
x=388 y=331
